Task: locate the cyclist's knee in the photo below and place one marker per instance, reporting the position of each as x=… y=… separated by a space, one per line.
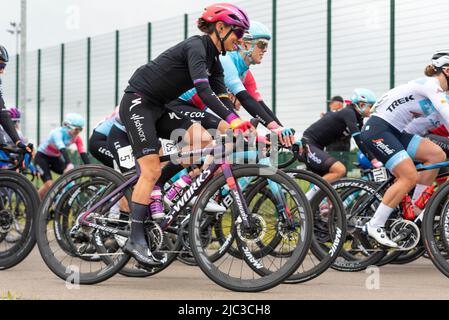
x=338 y=169
x=150 y=173
x=438 y=156
x=409 y=177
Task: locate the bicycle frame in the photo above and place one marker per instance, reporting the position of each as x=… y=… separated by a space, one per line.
x=370 y=199
x=192 y=192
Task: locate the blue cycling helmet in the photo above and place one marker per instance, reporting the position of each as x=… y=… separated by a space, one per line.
x=365 y=96
x=364 y=161
x=257 y=31
x=74 y=120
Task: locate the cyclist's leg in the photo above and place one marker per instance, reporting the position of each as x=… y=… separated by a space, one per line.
x=426 y=152
x=384 y=142
x=140 y=115
x=98 y=147
x=43 y=168
x=321 y=163
x=120 y=147
x=177 y=127
x=442 y=142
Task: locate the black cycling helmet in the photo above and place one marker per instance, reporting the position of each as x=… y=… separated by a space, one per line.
x=4 y=54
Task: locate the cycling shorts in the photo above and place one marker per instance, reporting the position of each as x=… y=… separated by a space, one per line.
x=316 y=159
x=388 y=144
x=146 y=120
x=207 y=120
x=118 y=143
x=46 y=164
x=98 y=147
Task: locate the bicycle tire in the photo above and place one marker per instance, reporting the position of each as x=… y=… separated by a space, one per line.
x=20 y=250
x=65 y=272
x=267 y=279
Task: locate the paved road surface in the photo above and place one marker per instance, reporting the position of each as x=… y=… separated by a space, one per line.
x=419 y=280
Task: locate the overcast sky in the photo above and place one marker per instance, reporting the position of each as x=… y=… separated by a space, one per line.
x=51 y=22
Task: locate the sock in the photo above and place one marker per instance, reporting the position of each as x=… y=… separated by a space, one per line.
x=312 y=192
x=157 y=192
x=381 y=216
x=167 y=173
x=139 y=214
x=419 y=189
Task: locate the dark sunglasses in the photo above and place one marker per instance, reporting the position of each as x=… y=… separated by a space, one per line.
x=262 y=44
x=77 y=129
x=239 y=32
x=2 y=66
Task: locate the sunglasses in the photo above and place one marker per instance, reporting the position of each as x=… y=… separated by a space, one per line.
x=364 y=105
x=239 y=32
x=76 y=129
x=262 y=44
x=2 y=66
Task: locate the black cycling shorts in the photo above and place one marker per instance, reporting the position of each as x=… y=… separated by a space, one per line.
x=207 y=120
x=45 y=165
x=121 y=150
x=316 y=159
x=388 y=144
x=146 y=120
x=98 y=147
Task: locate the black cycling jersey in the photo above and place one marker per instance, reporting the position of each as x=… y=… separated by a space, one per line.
x=336 y=125
x=5 y=119
x=192 y=63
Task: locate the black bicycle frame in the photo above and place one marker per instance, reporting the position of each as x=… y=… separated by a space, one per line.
x=370 y=199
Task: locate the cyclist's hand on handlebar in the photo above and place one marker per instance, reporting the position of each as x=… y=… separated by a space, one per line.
x=239 y=125
x=376 y=164
x=286 y=136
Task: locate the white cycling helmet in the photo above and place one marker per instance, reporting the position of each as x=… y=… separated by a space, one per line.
x=441 y=58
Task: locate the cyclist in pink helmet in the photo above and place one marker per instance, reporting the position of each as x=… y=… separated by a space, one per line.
x=227 y=13
x=193 y=63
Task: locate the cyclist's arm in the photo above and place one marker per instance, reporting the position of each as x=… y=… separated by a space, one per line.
x=439 y=100
x=238 y=89
x=82 y=150
x=350 y=120
x=196 y=57
x=251 y=86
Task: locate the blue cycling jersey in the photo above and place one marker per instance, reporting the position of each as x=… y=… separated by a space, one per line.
x=59 y=139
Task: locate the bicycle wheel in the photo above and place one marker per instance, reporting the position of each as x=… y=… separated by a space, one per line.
x=359 y=250
x=329 y=229
x=19 y=202
x=251 y=274
x=410 y=256
x=435 y=229
x=86 y=261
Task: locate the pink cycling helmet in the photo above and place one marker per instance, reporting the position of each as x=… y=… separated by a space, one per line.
x=15 y=114
x=227 y=13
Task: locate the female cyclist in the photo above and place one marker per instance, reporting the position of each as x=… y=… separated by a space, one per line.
x=192 y=63
x=385 y=137
x=52 y=154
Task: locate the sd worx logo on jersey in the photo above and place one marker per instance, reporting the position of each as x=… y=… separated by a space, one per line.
x=380 y=145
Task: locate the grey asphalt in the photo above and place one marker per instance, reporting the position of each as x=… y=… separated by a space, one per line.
x=419 y=280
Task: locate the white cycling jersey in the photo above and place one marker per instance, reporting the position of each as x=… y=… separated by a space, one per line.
x=422 y=126
x=417 y=99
